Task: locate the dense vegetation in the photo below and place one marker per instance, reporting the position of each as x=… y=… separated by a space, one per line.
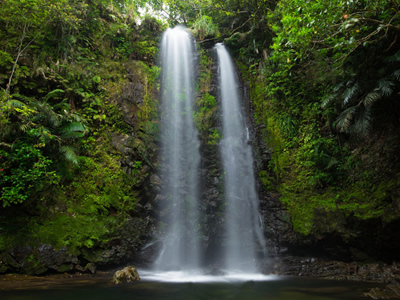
x=324 y=79
x=65 y=66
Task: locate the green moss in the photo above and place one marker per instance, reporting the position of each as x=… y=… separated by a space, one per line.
x=321 y=183
x=266 y=179
x=33 y=266
x=206 y=106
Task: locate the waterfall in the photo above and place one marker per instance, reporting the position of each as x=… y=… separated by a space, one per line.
x=180 y=154
x=243 y=229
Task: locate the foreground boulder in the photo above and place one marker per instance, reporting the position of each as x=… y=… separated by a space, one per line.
x=127 y=274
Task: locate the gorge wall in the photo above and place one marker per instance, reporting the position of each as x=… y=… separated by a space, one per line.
x=325 y=194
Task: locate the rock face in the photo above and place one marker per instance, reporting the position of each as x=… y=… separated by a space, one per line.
x=333 y=270
x=125 y=275
x=39 y=260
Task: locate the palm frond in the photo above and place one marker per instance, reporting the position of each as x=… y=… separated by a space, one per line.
x=15 y=103
x=396 y=74
x=363 y=123
x=350 y=92
x=69 y=154
x=338 y=87
x=343 y=121
x=24 y=98
x=78 y=118
x=328 y=100
x=47 y=115
x=52 y=94
x=73 y=135
x=24 y=127
x=372 y=97
x=386 y=86
x=61 y=106
x=73 y=127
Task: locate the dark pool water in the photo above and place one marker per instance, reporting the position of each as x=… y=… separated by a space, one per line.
x=278 y=288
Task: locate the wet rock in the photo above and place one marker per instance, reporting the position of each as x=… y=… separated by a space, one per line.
x=91 y=267
x=7 y=262
x=121 y=142
x=32 y=266
x=155 y=183
x=56 y=259
x=333 y=270
x=125 y=275
x=65 y=268
x=391 y=291
x=133 y=92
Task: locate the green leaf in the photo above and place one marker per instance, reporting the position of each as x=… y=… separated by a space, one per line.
x=385 y=86
x=372 y=97
x=350 y=92
x=344 y=120
x=53 y=93
x=73 y=127
x=69 y=153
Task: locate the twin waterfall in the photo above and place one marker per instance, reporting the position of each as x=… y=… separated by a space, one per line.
x=180 y=211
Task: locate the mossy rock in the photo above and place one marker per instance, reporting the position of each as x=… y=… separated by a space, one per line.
x=127 y=274
x=33 y=266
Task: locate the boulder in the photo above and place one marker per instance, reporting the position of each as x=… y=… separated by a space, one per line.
x=127 y=274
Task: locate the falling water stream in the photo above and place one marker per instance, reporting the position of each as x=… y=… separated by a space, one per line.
x=242 y=220
x=180 y=153
x=243 y=237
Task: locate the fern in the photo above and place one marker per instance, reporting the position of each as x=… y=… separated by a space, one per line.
x=73 y=127
x=15 y=103
x=396 y=75
x=328 y=100
x=386 y=86
x=350 y=92
x=363 y=124
x=53 y=93
x=47 y=115
x=372 y=98
x=69 y=154
x=338 y=87
x=343 y=122
x=73 y=135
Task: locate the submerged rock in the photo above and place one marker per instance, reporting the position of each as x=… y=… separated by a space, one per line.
x=127 y=274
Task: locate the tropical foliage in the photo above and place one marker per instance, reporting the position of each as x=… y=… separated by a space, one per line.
x=63 y=66
x=324 y=78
